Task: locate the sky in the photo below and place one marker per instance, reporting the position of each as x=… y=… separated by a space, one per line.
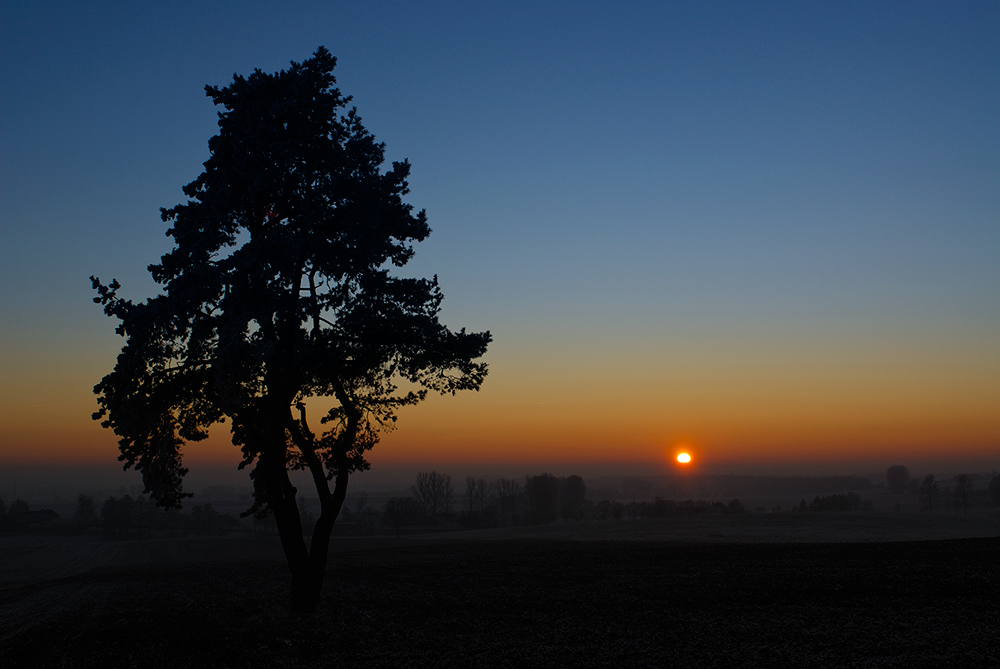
x=766 y=233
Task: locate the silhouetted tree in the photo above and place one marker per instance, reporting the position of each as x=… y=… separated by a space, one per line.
x=279 y=289
x=308 y=519
x=929 y=491
x=573 y=491
x=470 y=499
x=86 y=511
x=603 y=509
x=963 y=492
x=617 y=510
x=507 y=491
x=367 y=517
x=542 y=492
x=840 y=502
x=434 y=492
x=18 y=506
x=447 y=494
x=896 y=478
x=116 y=517
x=400 y=511
x=11 y=520
x=994 y=490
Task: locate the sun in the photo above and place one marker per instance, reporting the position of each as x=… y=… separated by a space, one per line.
x=684 y=458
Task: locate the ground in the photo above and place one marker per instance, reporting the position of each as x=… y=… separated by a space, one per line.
x=622 y=594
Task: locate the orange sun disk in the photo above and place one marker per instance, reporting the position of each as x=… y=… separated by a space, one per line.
x=683 y=458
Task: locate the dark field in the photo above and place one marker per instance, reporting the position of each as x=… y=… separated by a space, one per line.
x=523 y=601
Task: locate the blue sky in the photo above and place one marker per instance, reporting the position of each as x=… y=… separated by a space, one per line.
x=627 y=195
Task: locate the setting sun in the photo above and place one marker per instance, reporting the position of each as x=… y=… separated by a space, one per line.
x=684 y=458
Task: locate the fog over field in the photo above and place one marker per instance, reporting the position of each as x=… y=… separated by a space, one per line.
x=60 y=482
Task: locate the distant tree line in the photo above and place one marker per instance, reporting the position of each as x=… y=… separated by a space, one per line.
x=435 y=502
x=20 y=518
x=849 y=502
x=543 y=498
x=931 y=493
x=127 y=518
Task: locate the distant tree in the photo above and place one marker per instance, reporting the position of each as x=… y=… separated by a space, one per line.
x=994 y=490
x=366 y=516
x=362 y=501
x=399 y=511
x=542 y=492
x=469 y=499
x=573 y=493
x=963 y=492
x=483 y=494
x=508 y=490
x=736 y=506
x=896 y=478
x=116 y=517
x=633 y=510
x=929 y=491
x=308 y=519
x=617 y=510
x=12 y=518
x=204 y=519
x=839 y=502
x=279 y=289
x=18 y=506
x=447 y=493
x=86 y=511
x=434 y=492
x=603 y=509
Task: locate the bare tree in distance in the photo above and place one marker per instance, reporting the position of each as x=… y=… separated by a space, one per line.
x=434 y=491
x=963 y=492
x=929 y=491
x=447 y=493
x=399 y=511
x=470 y=494
x=510 y=490
x=86 y=511
x=362 y=502
x=896 y=478
x=994 y=490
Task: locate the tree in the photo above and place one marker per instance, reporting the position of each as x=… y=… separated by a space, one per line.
x=929 y=491
x=434 y=491
x=508 y=490
x=86 y=511
x=542 y=493
x=994 y=490
x=279 y=290
x=963 y=492
x=399 y=511
x=896 y=478
x=574 y=493
x=447 y=494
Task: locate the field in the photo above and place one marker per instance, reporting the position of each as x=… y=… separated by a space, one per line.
x=775 y=590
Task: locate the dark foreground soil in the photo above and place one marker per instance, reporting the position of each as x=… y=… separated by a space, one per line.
x=533 y=603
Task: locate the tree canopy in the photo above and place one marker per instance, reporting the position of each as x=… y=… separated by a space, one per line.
x=279 y=289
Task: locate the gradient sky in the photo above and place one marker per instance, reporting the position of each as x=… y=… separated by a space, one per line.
x=768 y=231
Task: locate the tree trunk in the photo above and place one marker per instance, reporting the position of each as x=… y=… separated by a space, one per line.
x=308 y=567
